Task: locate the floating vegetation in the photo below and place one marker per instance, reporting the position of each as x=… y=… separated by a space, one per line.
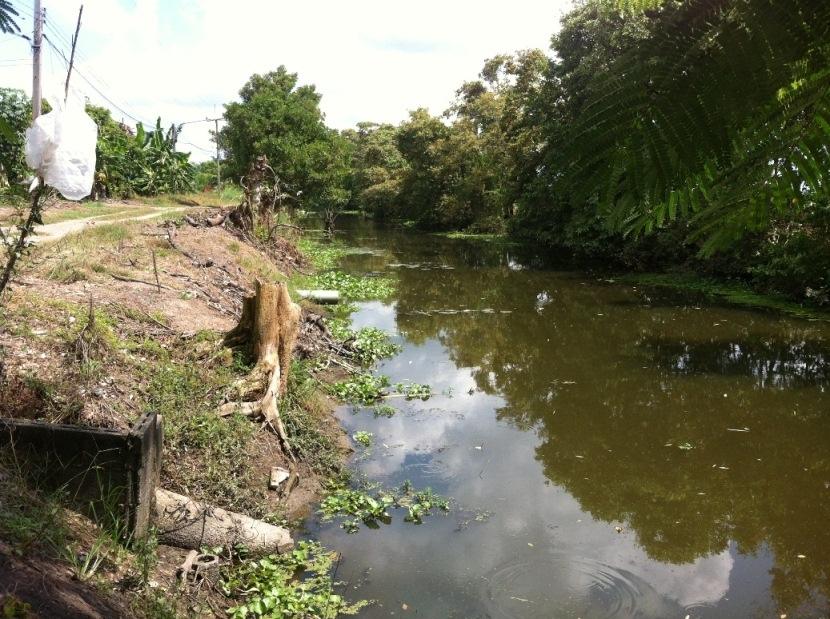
x=354 y=287
x=371 y=345
x=423 y=266
x=384 y=410
x=451 y=312
x=364 y=389
x=413 y=391
x=357 y=506
x=364 y=438
x=295 y=584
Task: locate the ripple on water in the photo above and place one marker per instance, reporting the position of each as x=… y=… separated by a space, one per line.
x=561 y=585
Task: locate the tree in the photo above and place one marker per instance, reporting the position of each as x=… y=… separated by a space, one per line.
x=137 y=162
x=7 y=15
x=16 y=112
x=281 y=120
x=377 y=167
x=720 y=115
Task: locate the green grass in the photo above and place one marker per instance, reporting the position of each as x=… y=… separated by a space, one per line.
x=202 y=449
x=731 y=292
x=303 y=407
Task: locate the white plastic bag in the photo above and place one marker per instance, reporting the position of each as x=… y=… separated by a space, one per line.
x=61 y=147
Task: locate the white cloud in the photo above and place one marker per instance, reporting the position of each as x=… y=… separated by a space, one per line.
x=371 y=60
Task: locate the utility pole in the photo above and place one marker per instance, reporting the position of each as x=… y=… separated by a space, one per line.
x=216 y=139
x=72 y=56
x=37 y=42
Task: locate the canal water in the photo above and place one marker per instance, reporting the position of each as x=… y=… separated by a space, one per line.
x=610 y=451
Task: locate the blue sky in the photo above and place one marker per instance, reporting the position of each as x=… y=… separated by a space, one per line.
x=182 y=59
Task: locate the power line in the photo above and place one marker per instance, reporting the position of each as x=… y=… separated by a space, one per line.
x=210 y=151
x=95 y=88
x=101 y=83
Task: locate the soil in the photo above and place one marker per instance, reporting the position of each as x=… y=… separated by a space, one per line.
x=202 y=277
x=50 y=590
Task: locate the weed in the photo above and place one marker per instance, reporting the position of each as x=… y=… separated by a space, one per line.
x=412 y=391
x=364 y=438
x=421 y=503
x=11 y=607
x=202 y=449
x=733 y=293
x=384 y=410
x=85 y=565
x=322 y=256
x=66 y=273
x=371 y=345
x=295 y=585
x=363 y=389
x=29 y=518
x=359 y=506
x=354 y=287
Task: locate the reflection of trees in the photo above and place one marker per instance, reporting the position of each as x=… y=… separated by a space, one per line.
x=771 y=363
x=554 y=353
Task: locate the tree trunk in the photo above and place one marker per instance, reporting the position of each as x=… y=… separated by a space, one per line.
x=260 y=187
x=268 y=327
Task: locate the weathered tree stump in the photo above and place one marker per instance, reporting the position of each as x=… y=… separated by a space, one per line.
x=268 y=328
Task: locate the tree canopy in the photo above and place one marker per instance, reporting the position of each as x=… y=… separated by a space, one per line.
x=282 y=120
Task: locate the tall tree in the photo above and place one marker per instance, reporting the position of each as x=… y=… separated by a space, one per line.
x=721 y=114
x=278 y=118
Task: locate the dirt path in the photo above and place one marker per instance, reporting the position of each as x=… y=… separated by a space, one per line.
x=58 y=230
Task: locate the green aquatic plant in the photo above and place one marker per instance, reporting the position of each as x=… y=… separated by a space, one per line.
x=412 y=391
x=371 y=345
x=322 y=255
x=295 y=585
x=362 y=389
x=363 y=437
x=384 y=410
x=357 y=506
x=421 y=503
x=354 y=287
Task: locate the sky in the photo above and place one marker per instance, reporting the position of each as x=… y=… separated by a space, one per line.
x=182 y=59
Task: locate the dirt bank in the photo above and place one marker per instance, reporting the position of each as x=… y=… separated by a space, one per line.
x=117 y=316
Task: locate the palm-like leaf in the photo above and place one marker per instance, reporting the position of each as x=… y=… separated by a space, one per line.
x=7 y=15
x=722 y=114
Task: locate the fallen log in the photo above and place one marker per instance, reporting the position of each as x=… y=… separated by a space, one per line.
x=185 y=523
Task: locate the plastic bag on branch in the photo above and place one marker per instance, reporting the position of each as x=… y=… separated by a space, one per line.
x=60 y=145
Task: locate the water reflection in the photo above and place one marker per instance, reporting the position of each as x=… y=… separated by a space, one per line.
x=772 y=363
x=639 y=461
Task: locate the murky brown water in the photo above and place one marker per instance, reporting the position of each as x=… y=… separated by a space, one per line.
x=641 y=456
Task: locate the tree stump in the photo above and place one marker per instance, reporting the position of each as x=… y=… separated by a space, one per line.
x=268 y=328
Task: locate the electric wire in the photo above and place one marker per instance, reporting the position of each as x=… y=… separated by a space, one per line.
x=96 y=89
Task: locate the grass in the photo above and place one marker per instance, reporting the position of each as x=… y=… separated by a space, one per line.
x=186 y=386
x=733 y=293
x=34 y=521
x=303 y=407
